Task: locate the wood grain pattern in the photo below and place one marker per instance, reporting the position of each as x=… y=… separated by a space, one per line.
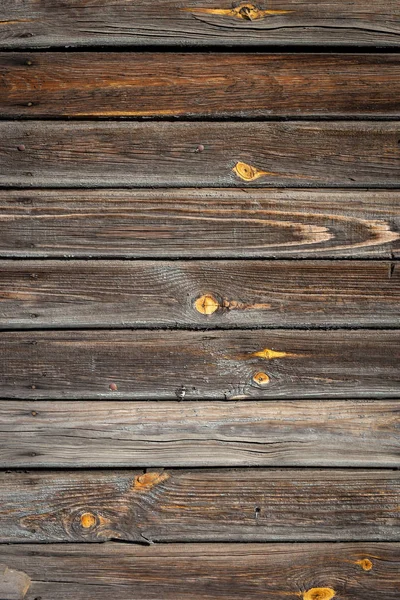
x=103 y=154
x=349 y=433
x=166 y=294
x=143 y=84
x=204 y=571
x=200 y=505
x=204 y=223
x=199 y=365
x=198 y=22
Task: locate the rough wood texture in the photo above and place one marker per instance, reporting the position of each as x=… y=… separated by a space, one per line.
x=200 y=223
x=354 y=571
x=194 y=365
x=202 y=85
x=182 y=434
x=34 y=23
x=102 y=154
x=200 y=505
x=202 y=294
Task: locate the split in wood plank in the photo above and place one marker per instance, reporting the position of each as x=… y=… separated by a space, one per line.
x=314 y=433
x=198 y=23
x=108 y=84
x=236 y=154
x=207 y=223
x=200 y=505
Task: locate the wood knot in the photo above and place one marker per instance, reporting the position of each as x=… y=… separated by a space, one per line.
x=365 y=564
x=88 y=520
x=245 y=11
x=206 y=305
x=143 y=483
x=319 y=594
x=247 y=172
x=261 y=378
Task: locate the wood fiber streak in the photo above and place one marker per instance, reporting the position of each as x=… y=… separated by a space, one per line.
x=199 y=365
x=165 y=294
x=303 y=433
x=103 y=154
x=200 y=505
x=204 y=571
x=38 y=24
x=200 y=223
x=202 y=85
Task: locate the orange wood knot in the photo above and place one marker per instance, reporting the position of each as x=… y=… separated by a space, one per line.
x=261 y=378
x=245 y=11
x=113 y=387
x=88 y=520
x=143 y=483
x=206 y=305
x=269 y=354
x=365 y=564
x=319 y=594
x=249 y=173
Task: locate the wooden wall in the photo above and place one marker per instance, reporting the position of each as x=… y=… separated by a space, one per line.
x=199 y=300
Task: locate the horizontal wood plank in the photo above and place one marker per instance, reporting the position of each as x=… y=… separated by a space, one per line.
x=200 y=223
x=352 y=571
x=202 y=294
x=109 y=84
x=135 y=154
x=201 y=505
x=230 y=364
x=198 y=22
x=351 y=433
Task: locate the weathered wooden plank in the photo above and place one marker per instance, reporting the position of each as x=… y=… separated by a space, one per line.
x=103 y=154
x=203 y=294
x=199 y=365
x=200 y=223
x=200 y=505
x=198 y=22
x=143 y=84
x=352 y=571
x=124 y=434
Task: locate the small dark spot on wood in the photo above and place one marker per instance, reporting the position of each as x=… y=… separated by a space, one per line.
x=33 y=387
x=180 y=392
x=34 y=413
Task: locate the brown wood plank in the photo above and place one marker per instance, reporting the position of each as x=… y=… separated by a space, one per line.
x=198 y=293
x=198 y=22
x=199 y=364
x=200 y=223
x=184 y=434
x=108 y=84
x=102 y=154
x=352 y=571
x=201 y=505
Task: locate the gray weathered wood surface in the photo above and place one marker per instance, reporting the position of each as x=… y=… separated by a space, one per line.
x=198 y=294
x=341 y=433
x=234 y=154
x=202 y=223
x=232 y=364
x=352 y=571
x=42 y=23
x=200 y=505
